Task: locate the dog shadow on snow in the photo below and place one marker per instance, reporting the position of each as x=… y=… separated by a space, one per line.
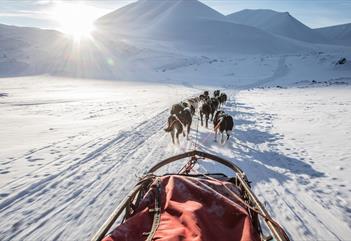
x=245 y=149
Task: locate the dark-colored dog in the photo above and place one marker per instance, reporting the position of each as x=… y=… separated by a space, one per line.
x=188 y=104
x=223 y=123
x=204 y=97
x=222 y=98
x=205 y=109
x=186 y=118
x=214 y=106
x=216 y=93
x=177 y=108
x=175 y=127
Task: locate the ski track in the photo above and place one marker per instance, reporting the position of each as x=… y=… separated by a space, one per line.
x=76 y=199
x=95 y=174
x=287 y=185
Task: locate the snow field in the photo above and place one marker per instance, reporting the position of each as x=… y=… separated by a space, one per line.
x=101 y=144
x=290 y=142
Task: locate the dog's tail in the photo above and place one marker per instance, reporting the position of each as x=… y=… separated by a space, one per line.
x=169 y=128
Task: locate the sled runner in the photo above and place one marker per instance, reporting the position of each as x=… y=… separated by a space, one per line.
x=191 y=206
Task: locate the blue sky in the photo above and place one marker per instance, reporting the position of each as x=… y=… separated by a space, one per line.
x=314 y=13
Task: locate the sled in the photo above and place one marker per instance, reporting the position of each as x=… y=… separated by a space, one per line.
x=191 y=206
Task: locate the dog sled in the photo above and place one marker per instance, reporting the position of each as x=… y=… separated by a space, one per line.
x=191 y=206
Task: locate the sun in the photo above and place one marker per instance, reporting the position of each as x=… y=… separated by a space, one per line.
x=75 y=19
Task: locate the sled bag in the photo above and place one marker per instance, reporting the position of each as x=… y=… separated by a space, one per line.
x=191 y=208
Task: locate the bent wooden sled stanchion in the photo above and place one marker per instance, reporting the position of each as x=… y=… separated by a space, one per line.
x=188 y=206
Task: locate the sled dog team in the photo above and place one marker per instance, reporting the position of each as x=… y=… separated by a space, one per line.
x=182 y=113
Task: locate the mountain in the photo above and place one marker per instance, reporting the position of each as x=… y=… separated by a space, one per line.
x=26 y=50
x=133 y=39
x=33 y=51
x=13 y=38
x=190 y=23
x=147 y=14
x=281 y=23
x=338 y=34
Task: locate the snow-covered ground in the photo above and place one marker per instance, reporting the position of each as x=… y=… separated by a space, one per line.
x=294 y=144
x=71 y=149
x=68 y=146
x=245 y=71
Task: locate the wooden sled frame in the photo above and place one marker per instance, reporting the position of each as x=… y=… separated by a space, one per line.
x=241 y=181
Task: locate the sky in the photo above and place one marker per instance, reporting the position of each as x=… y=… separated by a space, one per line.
x=43 y=13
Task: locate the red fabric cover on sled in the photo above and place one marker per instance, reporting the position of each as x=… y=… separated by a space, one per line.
x=192 y=209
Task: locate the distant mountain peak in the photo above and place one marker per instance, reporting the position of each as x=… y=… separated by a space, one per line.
x=191 y=23
x=144 y=12
x=281 y=23
x=338 y=34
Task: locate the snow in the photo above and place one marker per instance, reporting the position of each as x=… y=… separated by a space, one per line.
x=143 y=28
x=70 y=145
x=150 y=13
x=39 y=108
x=191 y=26
x=339 y=34
x=246 y=71
x=153 y=43
x=143 y=59
x=72 y=148
x=301 y=141
x=281 y=23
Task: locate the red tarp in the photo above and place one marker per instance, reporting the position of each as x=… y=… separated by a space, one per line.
x=192 y=209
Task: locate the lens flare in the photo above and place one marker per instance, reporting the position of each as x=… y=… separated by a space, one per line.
x=75 y=19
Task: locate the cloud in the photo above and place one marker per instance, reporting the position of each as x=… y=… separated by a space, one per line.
x=44 y=2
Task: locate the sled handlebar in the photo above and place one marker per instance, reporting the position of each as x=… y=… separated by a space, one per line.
x=197 y=153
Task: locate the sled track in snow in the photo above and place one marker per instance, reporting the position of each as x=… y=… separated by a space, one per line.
x=80 y=189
